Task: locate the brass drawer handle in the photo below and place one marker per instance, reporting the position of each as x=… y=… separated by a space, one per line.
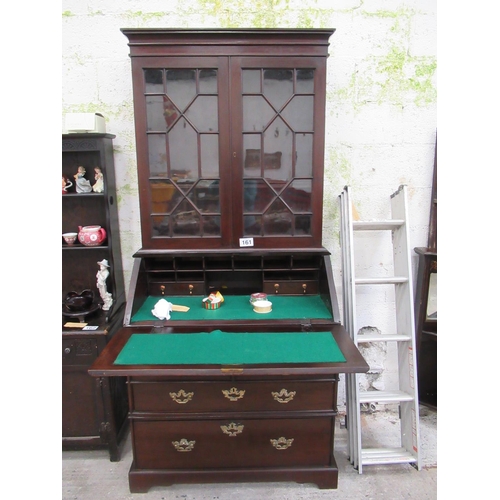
x=182 y=397
x=283 y=396
x=233 y=394
x=232 y=429
x=282 y=443
x=184 y=445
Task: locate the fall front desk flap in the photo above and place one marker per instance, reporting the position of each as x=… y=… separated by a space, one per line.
x=238 y=307
x=221 y=348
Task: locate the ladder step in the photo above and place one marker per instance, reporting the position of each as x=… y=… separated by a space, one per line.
x=384 y=396
x=381 y=456
x=380 y=337
x=391 y=280
x=377 y=225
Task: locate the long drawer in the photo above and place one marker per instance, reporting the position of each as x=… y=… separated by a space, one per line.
x=197 y=444
x=232 y=396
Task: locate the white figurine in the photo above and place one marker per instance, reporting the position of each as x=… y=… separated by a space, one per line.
x=98 y=187
x=101 y=276
x=82 y=184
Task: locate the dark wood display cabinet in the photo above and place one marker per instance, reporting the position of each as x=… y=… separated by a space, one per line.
x=426 y=307
x=93 y=411
x=230 y=145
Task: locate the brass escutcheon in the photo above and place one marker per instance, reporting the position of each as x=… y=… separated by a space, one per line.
x=182 y=397
x=184 y=445
x=282 y=443
x=233 y=394
x=283 y=396
x=232 y=429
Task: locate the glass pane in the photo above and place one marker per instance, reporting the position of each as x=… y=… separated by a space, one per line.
x=211 y=225
x=164 y=196
x=278 y=86
x=205 y=196
x=155 y=114
x=298 y=195
x=305 y=81
x=208 y=81
x=157 y=155
x=209 y=155
x=299 y=114
x=303 y=155
x=153 y=79
x=183 y=143
x=251 y=81
x=181 y=86
x=278 y=220
x=186 y=220
x=303 y=224
x=170 y=112
x=160 y=225
x=278 y=151
x=251 y=148
x=253 y=225
x=203 y=114
x=256 y=114
x=257 y=195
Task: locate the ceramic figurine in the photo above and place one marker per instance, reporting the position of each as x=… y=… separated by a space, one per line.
x=102 y=276
x=82 y=184
x=98 y=187
x=66 y=184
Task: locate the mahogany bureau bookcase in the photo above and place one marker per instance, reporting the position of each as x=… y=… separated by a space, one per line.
x=230 y=131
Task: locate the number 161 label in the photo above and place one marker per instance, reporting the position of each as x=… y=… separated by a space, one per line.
x=246 y=242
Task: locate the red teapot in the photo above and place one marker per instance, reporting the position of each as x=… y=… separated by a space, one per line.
x=91 y=236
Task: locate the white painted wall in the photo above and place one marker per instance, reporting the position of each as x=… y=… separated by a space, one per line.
x=380 y=116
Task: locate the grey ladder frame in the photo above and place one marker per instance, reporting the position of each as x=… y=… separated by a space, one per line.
x=407 y=394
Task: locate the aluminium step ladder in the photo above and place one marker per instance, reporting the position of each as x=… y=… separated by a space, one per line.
x=406 y=395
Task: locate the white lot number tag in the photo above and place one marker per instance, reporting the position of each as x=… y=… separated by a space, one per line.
x=246 y=242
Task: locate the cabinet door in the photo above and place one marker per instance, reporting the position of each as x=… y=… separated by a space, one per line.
x=182 y=125
x=277 y=137
x=230 y=149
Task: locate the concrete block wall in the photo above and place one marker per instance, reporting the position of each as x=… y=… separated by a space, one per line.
x=380 y=116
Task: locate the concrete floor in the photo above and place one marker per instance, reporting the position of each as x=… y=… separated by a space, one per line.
x=89 y=475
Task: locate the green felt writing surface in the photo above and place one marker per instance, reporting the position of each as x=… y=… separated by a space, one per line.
x=222 y=348
x=238 y=307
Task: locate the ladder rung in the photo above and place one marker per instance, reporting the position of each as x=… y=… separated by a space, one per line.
x=391 y=280
x=384 y=396
x=374 y=456
x=380 y=337
x=377 y=225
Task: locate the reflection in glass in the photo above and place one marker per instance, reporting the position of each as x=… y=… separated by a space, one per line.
x=299 y=113
x=432 y=297
x=278 y=138
x=205 y=196
x=303 y=155
x=203 y=114
x=208 y=81
x=278 y=220
x=298 y=195
x=278 y=86
x=256 y=114
x=305 y=81
x=257 y=195
x=185 y=220
x=251 y=81
x=183 y=154
x=164 y=196
x=181 y=86
x=157 y=155
x=153 y=79
x=209 y=155
x=155 y=114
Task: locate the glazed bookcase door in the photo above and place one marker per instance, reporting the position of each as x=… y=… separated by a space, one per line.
x=182 y=126
x=278 y=107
